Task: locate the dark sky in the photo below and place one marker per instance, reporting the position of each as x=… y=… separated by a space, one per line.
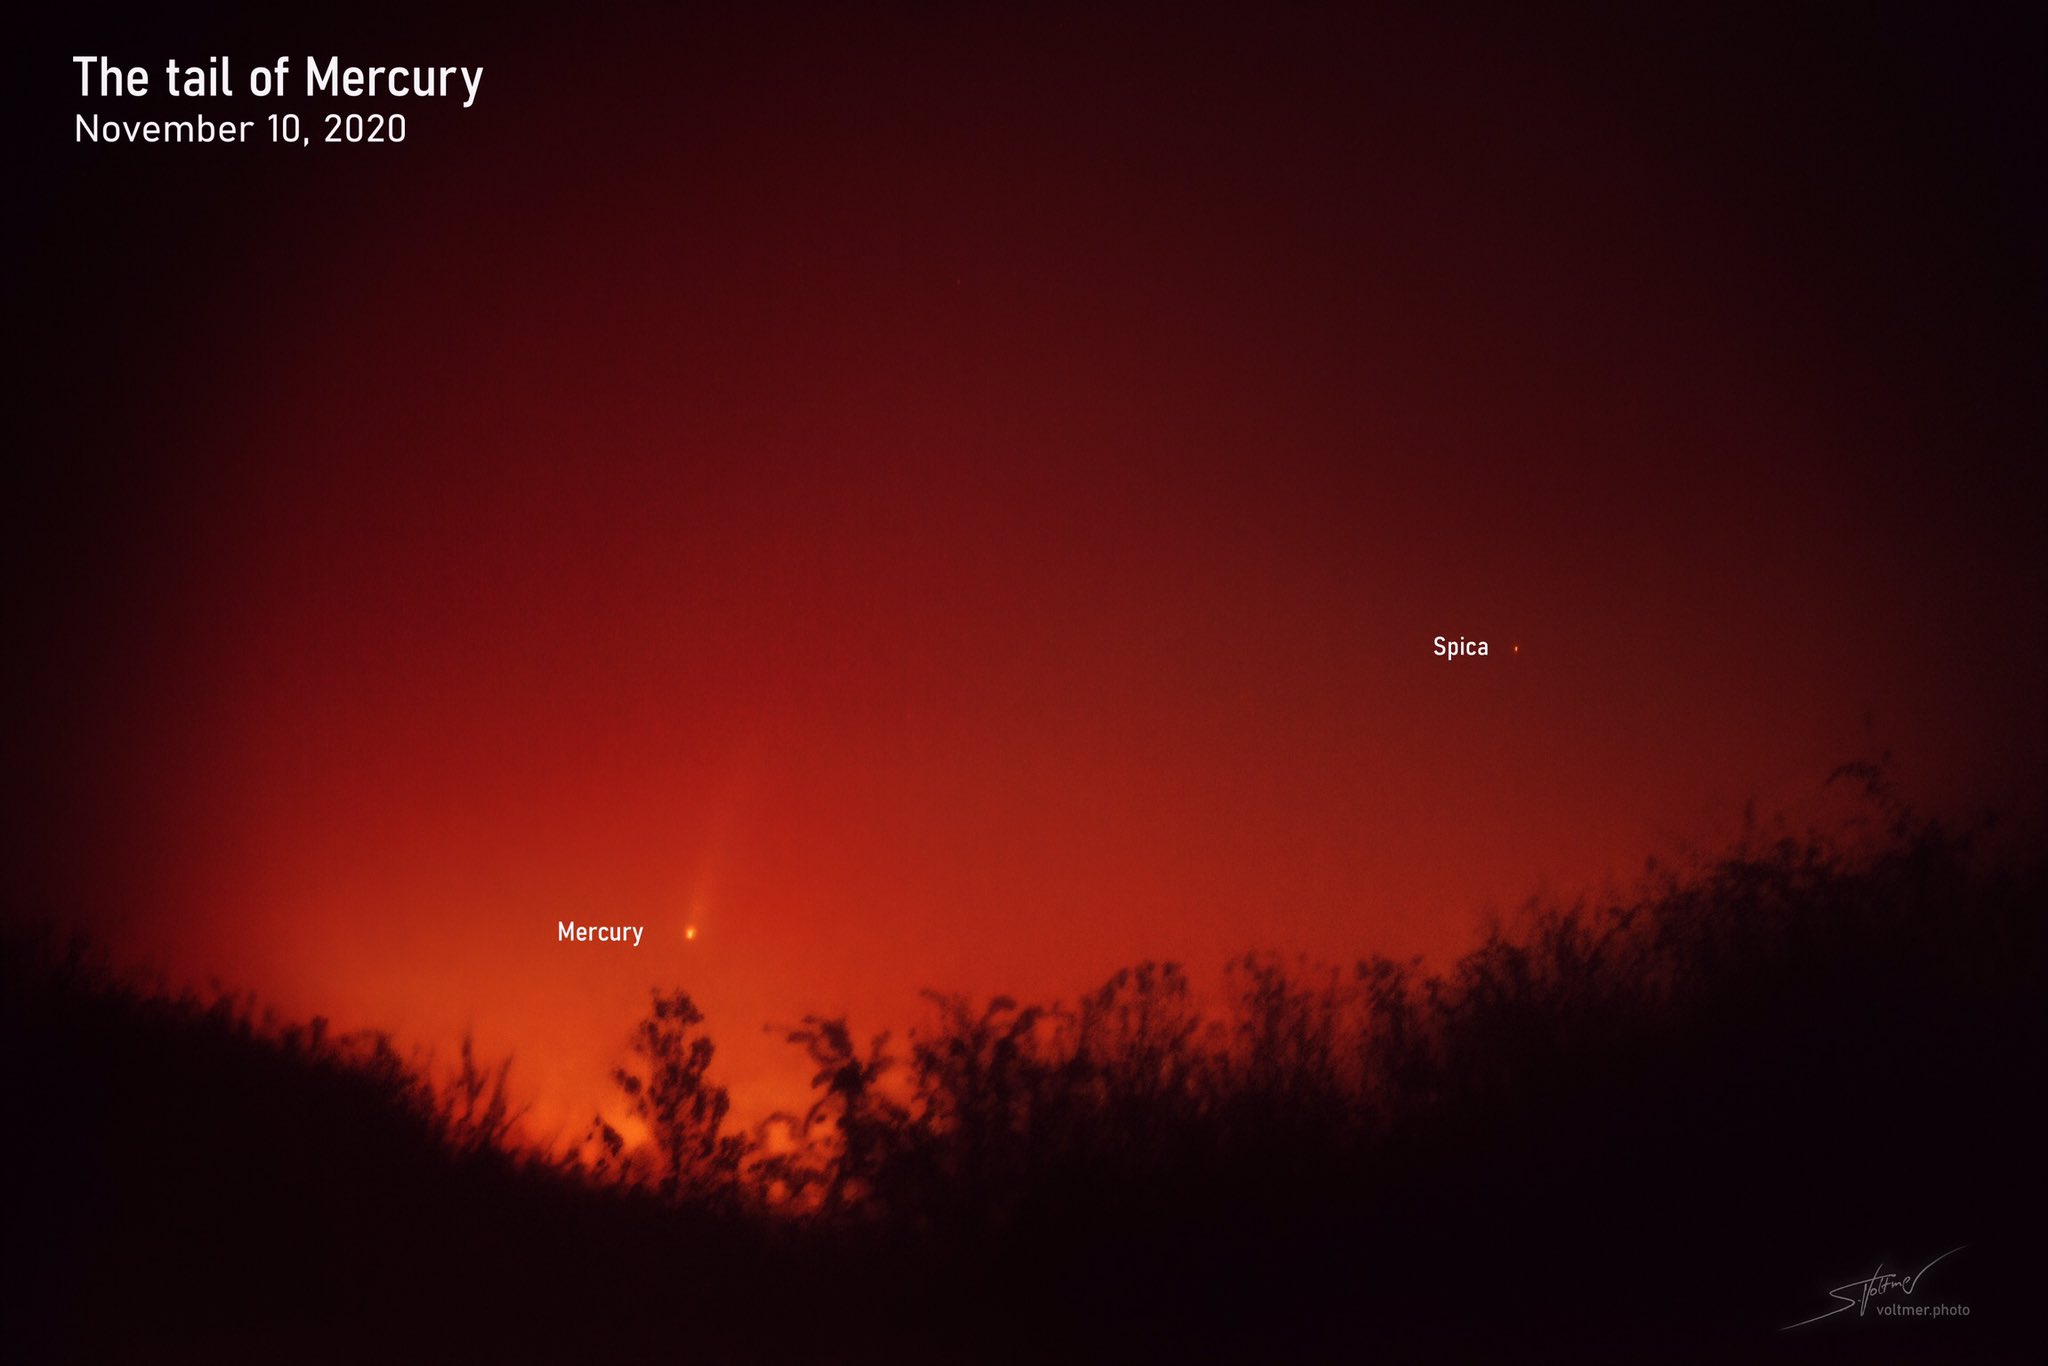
x=958 y=501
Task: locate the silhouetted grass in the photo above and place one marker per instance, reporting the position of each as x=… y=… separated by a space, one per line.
x=1658 y=1126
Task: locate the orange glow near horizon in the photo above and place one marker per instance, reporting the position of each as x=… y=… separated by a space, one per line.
x=960 y=561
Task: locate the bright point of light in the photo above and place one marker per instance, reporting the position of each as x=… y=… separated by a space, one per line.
x=689 y=932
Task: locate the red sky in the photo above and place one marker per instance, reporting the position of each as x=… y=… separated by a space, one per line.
x=971 y=509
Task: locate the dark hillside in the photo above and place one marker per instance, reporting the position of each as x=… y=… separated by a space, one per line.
x=1638 y=1131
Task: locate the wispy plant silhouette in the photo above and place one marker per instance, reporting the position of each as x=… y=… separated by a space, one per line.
x=853 y=1124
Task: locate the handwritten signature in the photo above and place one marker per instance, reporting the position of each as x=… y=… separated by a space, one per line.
x=1857 y=1295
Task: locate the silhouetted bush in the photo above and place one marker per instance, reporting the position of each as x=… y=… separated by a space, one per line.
x=688 y=1156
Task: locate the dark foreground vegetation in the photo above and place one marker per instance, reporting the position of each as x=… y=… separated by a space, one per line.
x=1652 y=1130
